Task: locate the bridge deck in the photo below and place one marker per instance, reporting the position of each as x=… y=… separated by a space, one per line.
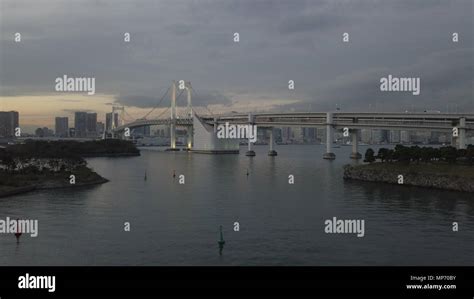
x=356 y=120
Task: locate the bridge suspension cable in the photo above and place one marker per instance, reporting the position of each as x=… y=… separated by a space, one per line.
x=128 y=114
x=159 y=103
x=164 y=111
x=195 y=94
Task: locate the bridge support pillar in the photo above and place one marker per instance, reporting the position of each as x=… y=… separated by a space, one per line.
x=250 y=152
x=272 y=152
x=355 y=145
x=329 y=155
x=462 y=134
x=454 y=141
x=173 y=136
x=189 y=138
x=173 y=119
x=206 y=141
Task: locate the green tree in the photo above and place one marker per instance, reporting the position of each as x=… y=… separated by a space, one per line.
x=402 y=153
x=449 y=154
x=470 y=154
x=369 y=155
x=382 y=154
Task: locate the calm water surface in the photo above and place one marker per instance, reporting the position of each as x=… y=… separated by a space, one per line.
x=280 y=224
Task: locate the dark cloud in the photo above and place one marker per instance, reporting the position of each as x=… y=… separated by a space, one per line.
x=281 y=40
x=202 y=99
x=446 y=80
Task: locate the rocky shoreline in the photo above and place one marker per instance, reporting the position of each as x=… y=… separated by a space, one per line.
x=43 y=165
x=49 y=184
x=415 y=175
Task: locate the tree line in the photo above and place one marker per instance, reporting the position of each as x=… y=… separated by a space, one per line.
x=409 y=154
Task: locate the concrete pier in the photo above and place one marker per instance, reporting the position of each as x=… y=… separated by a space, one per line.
x=329 y=155
x=250 y=152
x=206 y=141
x=355 y=145
x=462 y=133
x=189 y=138
x=272 y=152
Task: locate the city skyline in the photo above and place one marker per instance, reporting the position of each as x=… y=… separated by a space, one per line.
x=94 y=128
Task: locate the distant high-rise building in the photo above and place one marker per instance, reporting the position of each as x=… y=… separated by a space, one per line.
x=395 y=136
x=297 y=134
x=435 y=137
x=85 y=124
x=108 y=121
x=9 y=121
x=377 y=136
x=39 y=132
x=277 y=134
x=404 y=137
x=420 y=137
x=366 y=136
x=444 y=138
x=262 y=135
x=100 y=128
x=91 y=121
x=286 y=134
x=166 y=133
x=80 y=124
x=145 y=131
x=44 y=132
x=116 y=119
x=384 y=136
x=310 y=134
x=62 y=127
x=48 y=132
x=380 y=136
x=321 y=135
x=72 y=132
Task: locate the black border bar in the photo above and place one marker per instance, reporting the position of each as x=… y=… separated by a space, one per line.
x=238 y=282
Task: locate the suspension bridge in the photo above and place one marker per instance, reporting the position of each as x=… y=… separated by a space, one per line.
x=201 y=127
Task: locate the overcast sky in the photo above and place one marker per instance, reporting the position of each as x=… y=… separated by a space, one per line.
x=279 y=41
